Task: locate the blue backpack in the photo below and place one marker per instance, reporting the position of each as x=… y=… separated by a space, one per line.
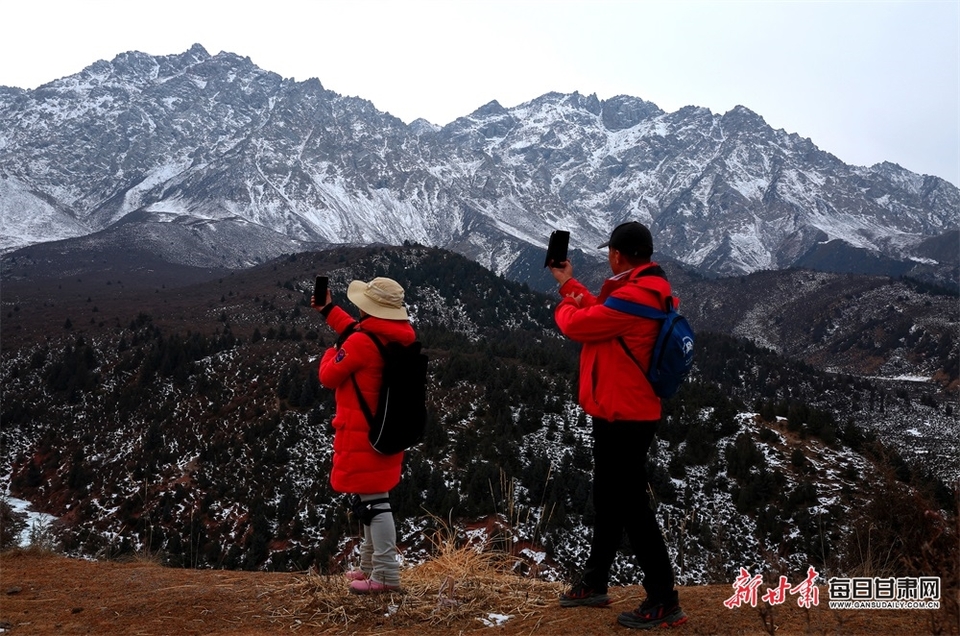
x=672 y=355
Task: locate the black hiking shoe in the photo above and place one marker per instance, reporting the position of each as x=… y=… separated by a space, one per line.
x=652 y=615
x=584 y=596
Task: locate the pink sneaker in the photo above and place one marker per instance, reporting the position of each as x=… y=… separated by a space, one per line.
x=355 y=575
x=371 y=586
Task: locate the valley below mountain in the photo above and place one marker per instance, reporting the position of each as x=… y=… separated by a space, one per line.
x=179 y=415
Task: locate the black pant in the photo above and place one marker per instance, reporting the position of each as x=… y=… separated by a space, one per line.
x=621 y=503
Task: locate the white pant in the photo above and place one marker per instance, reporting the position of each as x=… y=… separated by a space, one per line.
x=378 y=552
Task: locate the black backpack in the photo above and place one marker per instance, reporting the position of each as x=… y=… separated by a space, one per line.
x=401 y=416
x=672 y=355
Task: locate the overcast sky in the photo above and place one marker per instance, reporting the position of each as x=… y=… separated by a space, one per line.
x=868 y=81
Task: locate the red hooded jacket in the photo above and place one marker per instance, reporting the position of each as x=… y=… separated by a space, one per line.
x=357 y=468
x=612 y=387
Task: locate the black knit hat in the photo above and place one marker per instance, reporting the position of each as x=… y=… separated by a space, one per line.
x=632 y=239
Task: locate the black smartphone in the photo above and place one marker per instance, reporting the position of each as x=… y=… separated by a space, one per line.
x=557 y=248
x=320 y=291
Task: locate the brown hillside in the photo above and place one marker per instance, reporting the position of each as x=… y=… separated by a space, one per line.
x=48 y=594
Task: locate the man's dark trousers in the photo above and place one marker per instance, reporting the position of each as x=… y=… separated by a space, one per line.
x=621 y=504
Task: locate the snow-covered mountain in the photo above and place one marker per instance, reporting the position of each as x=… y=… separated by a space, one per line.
x=213 y=143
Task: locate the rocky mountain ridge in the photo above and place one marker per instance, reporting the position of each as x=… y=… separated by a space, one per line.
x=254 y=166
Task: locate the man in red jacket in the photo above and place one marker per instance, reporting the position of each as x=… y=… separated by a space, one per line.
x=625 y=413
x=358 y=469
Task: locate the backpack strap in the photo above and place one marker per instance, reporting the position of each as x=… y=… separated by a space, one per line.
x=623 y=343
x=367 y=412
x=637 y=309
x=376 y=341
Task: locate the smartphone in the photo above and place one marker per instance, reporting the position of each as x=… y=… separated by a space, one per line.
x=320 y=291
x=557 y=248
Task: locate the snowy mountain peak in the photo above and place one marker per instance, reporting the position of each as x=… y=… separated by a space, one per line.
x=216 y=137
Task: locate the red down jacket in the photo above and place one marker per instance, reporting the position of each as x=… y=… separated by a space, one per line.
x=357 y=468
x=612 y=387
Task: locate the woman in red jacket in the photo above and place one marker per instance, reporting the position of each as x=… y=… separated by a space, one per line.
x=625 y=412
x=358 y=469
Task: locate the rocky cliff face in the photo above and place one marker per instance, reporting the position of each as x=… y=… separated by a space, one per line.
x=212 y=142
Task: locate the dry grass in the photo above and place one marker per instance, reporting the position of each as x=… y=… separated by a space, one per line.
x=50 y=594
x=460 y=587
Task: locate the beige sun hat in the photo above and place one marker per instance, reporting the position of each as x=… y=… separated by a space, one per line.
x=381 y=297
